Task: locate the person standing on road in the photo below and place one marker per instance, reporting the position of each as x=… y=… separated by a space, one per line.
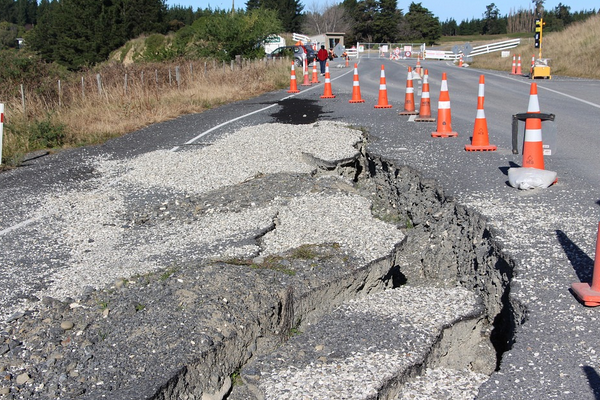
x=322 y=57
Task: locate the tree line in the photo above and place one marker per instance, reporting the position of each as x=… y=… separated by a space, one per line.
x=492 y=22
x=81 y=33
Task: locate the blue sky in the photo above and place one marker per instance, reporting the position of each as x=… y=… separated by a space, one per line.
x=443 y=9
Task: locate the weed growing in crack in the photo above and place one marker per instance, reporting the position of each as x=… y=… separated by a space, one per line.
x=236 y=378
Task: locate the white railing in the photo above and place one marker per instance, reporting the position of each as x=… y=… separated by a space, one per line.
x=300 y=37
x=476 y=51
x=489 y=48
x=352 y=53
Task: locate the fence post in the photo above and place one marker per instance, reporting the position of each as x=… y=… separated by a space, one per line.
x=99 y=82
x=170 y=77
x=125 y=84
x=23 y=100
x=1 y=129
x=177 y=76
x=82 y=88
x=59 y=94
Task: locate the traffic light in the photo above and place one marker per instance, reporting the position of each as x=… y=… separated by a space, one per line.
x=538 y=33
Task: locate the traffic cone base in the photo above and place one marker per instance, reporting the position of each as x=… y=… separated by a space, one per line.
x=444 y=134
x=586 y=294
x=589 y=294
x=424 y=119
x=470 y=147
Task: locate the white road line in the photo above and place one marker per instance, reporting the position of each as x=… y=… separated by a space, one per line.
x=17 y=226
x=191 y=141
x=589 y=103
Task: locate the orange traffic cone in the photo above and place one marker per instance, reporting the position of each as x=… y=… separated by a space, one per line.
x=480 y=140
x=306 y=82
x=519 y=70
x=460 y=61
x=444 y=123
x=590 y=294
x=315 y=75
x=425 y=106
x=533 y=148
x=356 y=98
x=418 y=67
x=514 y=66
x=382 y=102
x=327 y=93
x=409 y=97
x=347 y=61
x=293 y=84
x=532 y=65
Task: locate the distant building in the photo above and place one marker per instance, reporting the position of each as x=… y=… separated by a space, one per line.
x=330 y=39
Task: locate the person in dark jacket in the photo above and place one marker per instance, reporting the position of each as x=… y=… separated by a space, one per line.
x=322 y=57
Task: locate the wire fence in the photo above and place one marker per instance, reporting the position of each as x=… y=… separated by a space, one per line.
x=135 y=80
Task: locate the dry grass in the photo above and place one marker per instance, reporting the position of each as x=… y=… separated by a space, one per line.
x=572 y=52
x=130 y=98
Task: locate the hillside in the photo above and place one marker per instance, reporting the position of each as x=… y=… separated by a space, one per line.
x=572 y=52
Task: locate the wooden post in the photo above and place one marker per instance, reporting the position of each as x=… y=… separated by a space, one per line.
x=59 y=94
x=82 y=88
x=125 y=84
x=177 y=76
x=23 y=100
x=1 y=129
x=99 y=82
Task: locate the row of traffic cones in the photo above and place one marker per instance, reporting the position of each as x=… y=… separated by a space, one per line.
x=532 y=149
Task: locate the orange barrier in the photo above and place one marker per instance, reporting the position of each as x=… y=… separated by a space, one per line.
x=315 y=74
x=382 y=102
x=480 y=140
x=514 y=66
x=444 y=123
x=356 y=98
x=409 y=97
x=589 y=294
x=306 y=82
x=327 y=93
x=533 y=148
x=519 y=71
